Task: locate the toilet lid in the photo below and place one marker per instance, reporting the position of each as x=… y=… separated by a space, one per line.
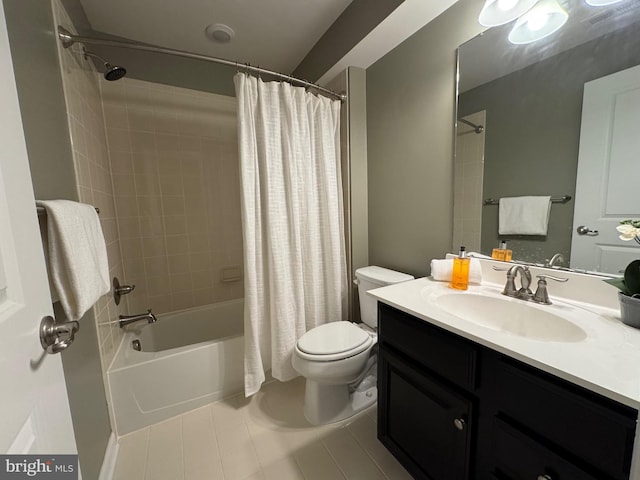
x=332 y=338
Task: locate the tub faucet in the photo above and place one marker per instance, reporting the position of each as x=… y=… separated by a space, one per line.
x=127 y=319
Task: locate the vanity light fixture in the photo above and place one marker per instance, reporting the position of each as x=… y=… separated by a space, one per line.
x=601 y=3
x=499 y=12
x=542 y=20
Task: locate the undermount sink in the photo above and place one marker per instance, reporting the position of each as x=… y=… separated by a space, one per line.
x=510 y=315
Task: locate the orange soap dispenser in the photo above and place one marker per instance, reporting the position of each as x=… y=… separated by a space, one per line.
x=508 y=254
x=460 y=273
x=502 y=252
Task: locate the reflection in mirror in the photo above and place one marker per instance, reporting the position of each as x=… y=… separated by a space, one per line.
x=540 y=140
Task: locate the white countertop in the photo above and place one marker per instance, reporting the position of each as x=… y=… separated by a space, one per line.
x=607 y=361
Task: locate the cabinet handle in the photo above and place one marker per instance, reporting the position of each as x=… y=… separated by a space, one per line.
x=544 y=476
x=459 y=423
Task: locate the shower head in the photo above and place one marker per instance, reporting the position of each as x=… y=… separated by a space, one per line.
x=111 y=72
x=114 y=72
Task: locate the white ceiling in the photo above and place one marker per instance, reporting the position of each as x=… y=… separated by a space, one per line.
x=274 y=34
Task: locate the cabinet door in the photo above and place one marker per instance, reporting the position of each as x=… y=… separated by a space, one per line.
x=424 y=423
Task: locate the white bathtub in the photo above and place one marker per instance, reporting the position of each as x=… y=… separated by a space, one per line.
x=187 y=359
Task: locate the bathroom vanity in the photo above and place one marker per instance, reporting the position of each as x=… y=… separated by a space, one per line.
x=464 y=399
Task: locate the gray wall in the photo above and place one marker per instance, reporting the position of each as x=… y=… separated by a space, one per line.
x=410 y=118
x=169 y=69
x=353 y=143
x=35 y=62
x=533 y=132
x=358 y=201
x=44 y=119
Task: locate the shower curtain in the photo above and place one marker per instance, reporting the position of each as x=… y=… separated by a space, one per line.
x=292 y=220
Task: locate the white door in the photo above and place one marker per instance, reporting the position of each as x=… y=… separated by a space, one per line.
x=34 y=408
x=608 y=172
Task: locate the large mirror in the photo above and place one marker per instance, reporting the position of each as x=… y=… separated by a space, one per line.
x=542 y=119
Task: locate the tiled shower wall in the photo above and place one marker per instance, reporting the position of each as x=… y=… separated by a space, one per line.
x=176 y=182
x=92 y=169
x=467 y=192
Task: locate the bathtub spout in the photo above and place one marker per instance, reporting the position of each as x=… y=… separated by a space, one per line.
x=127 y=319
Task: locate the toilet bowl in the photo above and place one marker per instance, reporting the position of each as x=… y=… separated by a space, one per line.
x=338 y=358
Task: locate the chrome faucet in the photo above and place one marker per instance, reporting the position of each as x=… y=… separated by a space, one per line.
x=524 y=292
x=556 y=260
x=127 y=319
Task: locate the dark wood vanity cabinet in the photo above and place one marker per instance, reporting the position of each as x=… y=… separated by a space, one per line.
x=450 y=409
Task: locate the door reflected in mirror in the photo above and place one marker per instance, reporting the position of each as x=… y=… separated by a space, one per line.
x=557 y=119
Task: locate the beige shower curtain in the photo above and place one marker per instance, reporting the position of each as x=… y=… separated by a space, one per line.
x=292 y=219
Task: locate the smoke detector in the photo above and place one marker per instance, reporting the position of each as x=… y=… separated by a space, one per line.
x=219 y=33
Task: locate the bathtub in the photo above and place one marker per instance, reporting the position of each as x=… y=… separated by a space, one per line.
x=187 y=359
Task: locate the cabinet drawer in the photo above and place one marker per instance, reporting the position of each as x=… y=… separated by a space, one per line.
x=597 y=431
x=445 y=354
x=520 y=457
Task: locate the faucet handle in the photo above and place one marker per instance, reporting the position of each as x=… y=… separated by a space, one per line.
x=557 y=279
x=541 y=295
x=120 y=290
x=501 y=269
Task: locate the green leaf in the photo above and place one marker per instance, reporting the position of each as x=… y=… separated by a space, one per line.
x=632 y=278
x=619 y=284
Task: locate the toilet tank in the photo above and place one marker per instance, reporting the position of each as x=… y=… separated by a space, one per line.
x=374 y=277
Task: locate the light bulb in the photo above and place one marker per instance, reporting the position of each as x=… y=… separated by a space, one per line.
x=537 y=21
x=506 y=5
x=499 y=12
x=542 y=20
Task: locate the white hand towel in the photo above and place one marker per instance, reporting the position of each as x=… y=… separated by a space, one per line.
x=77 y=255
x=442 y=269
x=524 y=215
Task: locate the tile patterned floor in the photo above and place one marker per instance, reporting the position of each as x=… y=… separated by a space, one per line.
x=262 y=438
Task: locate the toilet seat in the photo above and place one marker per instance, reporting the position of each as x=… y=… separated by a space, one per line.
x=333 y=341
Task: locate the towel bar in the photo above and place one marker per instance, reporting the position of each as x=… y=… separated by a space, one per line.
x=563 y=199
x=43 y=211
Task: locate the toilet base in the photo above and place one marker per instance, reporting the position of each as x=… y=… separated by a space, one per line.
x=331 y=403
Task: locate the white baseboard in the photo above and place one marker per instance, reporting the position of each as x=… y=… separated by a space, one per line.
x=110 y=457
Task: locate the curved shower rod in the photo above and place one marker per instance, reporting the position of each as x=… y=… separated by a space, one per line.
x=68 y=39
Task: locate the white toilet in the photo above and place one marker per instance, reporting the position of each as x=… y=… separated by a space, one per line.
x=336 y=359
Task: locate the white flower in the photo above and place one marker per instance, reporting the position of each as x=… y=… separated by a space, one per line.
x=628 y=232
